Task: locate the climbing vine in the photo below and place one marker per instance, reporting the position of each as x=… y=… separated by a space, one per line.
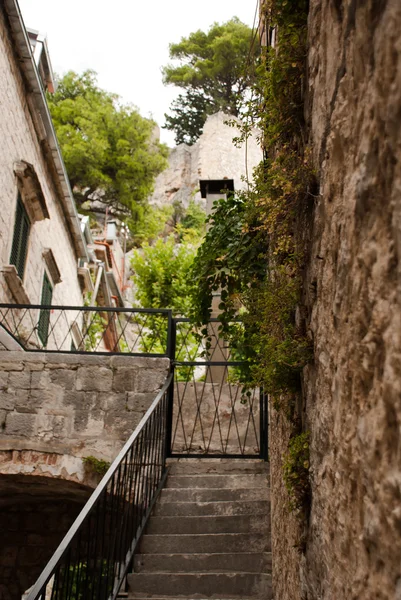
x=253 y=254
x=296 y=471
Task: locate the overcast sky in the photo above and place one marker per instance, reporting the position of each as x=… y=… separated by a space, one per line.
x=126 y=41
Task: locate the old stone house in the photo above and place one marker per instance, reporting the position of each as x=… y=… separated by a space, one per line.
x=41 y=240
x=213 y=157
x=47 y=253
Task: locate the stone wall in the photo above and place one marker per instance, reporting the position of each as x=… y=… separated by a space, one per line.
x=57 y=408
x=353 y=286
x=213 y=156
x=286 y=528
x=19 y=141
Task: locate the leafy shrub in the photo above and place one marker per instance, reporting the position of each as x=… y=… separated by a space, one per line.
x=96 y=465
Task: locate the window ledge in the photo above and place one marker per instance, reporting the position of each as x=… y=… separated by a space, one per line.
x=77 y=336
x=31 y=191
x=15 y=285
x=51 y=265
x=85 y=279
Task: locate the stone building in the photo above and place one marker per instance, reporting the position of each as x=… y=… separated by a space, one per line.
x=41 y=240
x=214 y=156
x=57 y=409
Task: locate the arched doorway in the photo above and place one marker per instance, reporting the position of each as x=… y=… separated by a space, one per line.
x=35 y=514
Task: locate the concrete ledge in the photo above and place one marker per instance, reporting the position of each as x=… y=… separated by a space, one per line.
x=51 y=358
x=9 y=343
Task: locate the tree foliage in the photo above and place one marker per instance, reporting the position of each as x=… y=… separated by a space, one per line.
x=188 y=115
x=161 y=274
x=253 y=253
x=162 y=278
x=151 y=224
x=214 y=73
x=162 y=268
x=159 y=221
x=108 y=148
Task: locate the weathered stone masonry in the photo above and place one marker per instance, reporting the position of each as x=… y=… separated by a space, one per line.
x=19 y=140
x=352 y=391
x=56 y=409
x=71 y=406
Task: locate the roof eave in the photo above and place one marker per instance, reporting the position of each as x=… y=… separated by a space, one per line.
x=28 y=67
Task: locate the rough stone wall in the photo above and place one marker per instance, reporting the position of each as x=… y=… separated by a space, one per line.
x=213 y=156
x=19 y=141
x=57 y=408
x=286 y=529
x=353 y=285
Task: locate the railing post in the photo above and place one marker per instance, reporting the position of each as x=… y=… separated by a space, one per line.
x=172 y=335
x=264 y=426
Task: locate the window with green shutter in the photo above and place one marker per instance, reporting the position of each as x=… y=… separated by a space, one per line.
x=20 y=240
x=44 y=316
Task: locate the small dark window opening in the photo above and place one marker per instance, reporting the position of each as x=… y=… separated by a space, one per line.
x=20 y=240
x=44 y=316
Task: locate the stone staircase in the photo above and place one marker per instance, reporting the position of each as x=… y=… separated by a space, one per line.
x=209 y=534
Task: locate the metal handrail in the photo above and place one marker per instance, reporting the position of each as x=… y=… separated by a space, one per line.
x=98 y=500
x=102 y=330
x=113 y=309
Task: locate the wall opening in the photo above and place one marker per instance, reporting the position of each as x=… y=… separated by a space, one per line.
x=35 y=514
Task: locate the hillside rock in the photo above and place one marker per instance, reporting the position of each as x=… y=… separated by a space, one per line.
x=213 y=156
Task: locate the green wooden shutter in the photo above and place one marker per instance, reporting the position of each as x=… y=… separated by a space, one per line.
x=44 y=317
x=20 y=240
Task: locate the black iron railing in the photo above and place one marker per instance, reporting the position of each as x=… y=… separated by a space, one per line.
x=97 y=552
x=88 y=330
x=215 y=412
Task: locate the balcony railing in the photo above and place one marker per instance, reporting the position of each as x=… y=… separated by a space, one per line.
x=84 y=329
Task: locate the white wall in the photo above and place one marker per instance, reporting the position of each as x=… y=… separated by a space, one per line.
x=18 y=141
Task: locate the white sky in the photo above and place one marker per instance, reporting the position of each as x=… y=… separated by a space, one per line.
x=126 y=41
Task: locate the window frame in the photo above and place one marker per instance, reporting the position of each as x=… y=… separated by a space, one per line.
x=44 y=315
x=20 y=239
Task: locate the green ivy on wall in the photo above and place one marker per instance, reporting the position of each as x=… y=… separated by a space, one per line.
x=296 y=472
x=253 y=254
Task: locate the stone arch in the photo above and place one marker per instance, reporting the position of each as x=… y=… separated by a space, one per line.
x=52 y=465
x=41 y=494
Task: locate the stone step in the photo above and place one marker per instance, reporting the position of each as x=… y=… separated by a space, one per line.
x=189 y=509
x=251 y=562
x=208 y=536
x=230 y=481
x=208 y=524
x=209 y=585
x=190 y=466
x=213 y=495
x=200 y=544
